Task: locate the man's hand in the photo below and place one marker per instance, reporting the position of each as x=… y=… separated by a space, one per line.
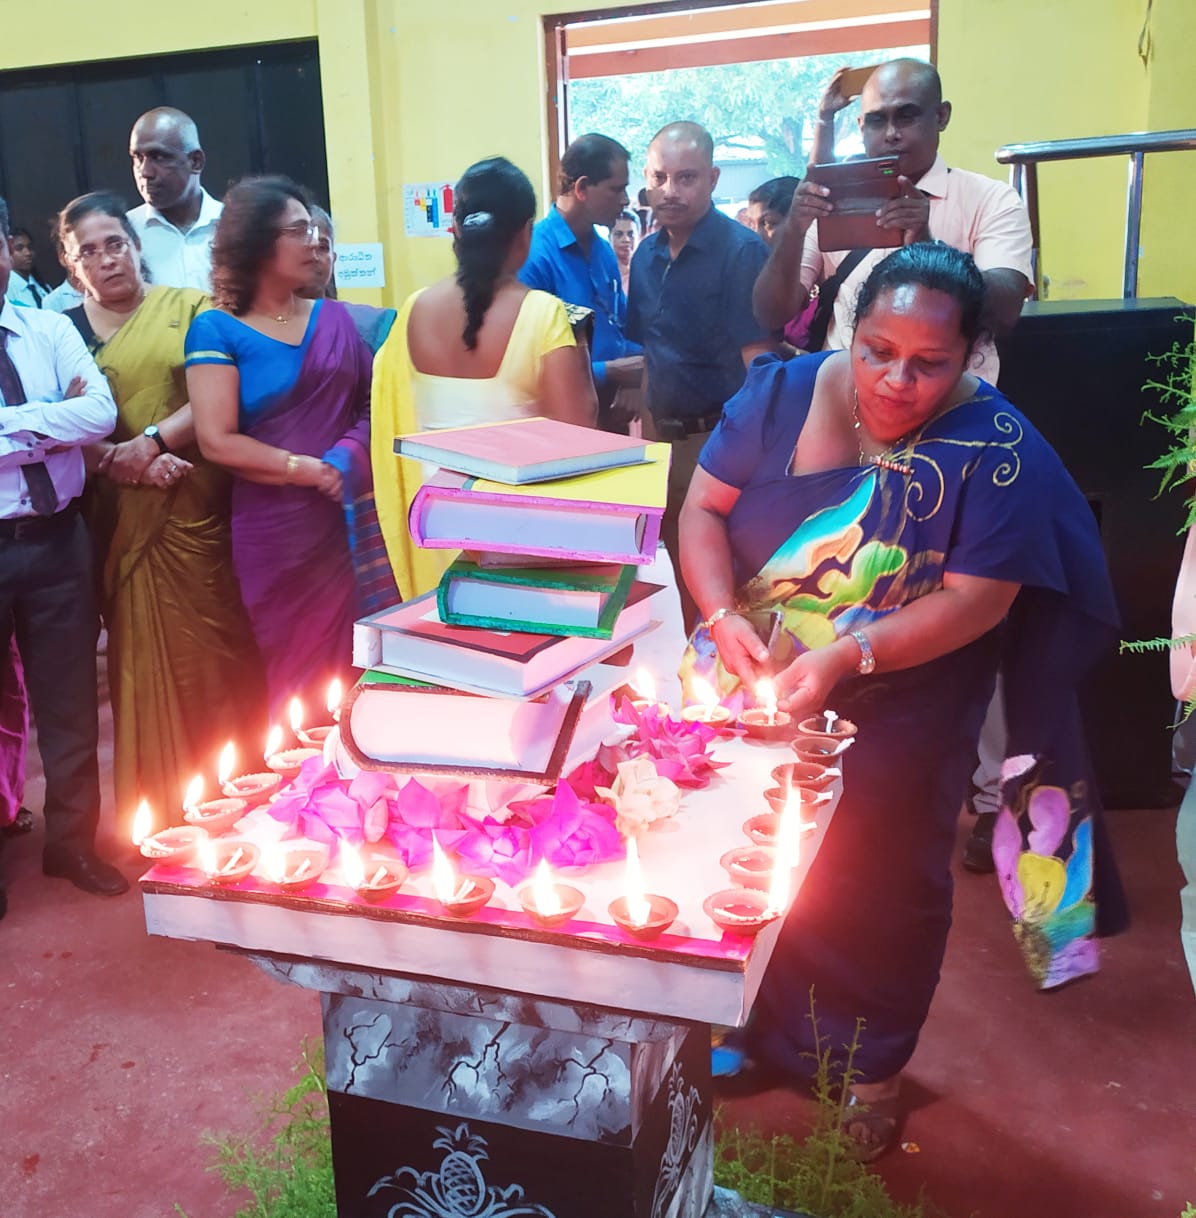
x=909 y=212
x=810 y=202
x=625 y=373
x=76 y=389
x=166 y=470
x=834 y=99
x=127 y=463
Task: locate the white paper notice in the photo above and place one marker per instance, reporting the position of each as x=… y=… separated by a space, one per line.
x=428 y=209
x=360 y=266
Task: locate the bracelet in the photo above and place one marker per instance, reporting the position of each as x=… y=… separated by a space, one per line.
x=867 y=662
x=292 y=467
x=717 y=616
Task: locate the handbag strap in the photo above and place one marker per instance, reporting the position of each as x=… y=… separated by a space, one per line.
x=827 y=294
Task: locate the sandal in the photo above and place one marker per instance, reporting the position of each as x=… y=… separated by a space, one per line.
x=870 y=1128
x=20 y=824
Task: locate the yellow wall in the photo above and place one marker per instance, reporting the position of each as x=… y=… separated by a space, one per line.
x=415 y=92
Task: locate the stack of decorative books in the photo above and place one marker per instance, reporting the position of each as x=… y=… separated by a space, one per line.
x=499 y=669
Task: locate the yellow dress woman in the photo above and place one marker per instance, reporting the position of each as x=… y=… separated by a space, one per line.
x=182 y=670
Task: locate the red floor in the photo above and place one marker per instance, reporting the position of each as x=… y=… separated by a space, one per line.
x=120 y=1050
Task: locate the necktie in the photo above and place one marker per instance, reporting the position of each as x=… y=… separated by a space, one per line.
x=41 y=486
x=37 y=296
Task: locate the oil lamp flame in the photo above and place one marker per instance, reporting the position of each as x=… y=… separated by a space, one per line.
x=766 y=695
x=206 y=852
x=295 y=713
x=639 y=910
x=193 y=794
x=228 y=759
x=334 y=697
x=548 y=902
x=705 y=693
x=644 y=684
x=143 y=823
x=275 y=861
x=351 y=865
x=273 y=741
x=444 y=879
x=786 y=853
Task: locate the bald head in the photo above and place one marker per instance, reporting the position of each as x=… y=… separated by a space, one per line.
x=167 y=163
x=686 y=135
x=902 y=113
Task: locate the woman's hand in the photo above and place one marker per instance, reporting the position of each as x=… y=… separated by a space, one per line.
x=805 y=686
x=165 y=471
x=740 y=649
x=329 y=482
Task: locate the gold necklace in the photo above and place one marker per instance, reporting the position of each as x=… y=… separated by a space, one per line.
x=886 y=458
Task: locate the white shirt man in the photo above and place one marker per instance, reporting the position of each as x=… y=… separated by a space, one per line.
x=177 y=258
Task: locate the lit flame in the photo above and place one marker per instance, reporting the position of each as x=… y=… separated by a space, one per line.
x=273 y=741
x=274 y=861
x=644 y=684
x=228 y=759
x=544 y=893
x=638 y=908
x=333 y=701
x=206 y=850
x=766 y=695
x=444 y=878
x=295 y=711
x=143 y=823
x=705 y=693
x=352 y=865
x=193 y=794
x=787 y=853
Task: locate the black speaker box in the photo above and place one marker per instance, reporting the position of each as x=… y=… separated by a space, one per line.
x=1078 y=370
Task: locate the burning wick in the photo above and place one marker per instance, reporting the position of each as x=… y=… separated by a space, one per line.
x=295 y=714
x=143 y=823
x=194 y=794
x=444 y=878
x=224 y=767
x=548 y=902
x=273 y=742
x=334 y=697
x=766 y=694
x=644 y=685
x=639 y=910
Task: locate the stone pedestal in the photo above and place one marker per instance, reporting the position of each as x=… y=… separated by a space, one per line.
x=450 y=1102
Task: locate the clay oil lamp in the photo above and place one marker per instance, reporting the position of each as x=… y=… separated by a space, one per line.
x=741 y=911
x=808 y=775
x=707 y=708
x=818 y=749
x=750 y=866
x=764 y=829
x=176 y=845
x=459 y=896
x=226 y=860
x=314 y=737
x=828 y=724
x=214 y=816
x=254 y=789
x=550 y=903
x=294 y=867
x=644 y=915
x=386 y=878
x=777 y=797
x=765 y=722
x=286 y=762
x=644 y=685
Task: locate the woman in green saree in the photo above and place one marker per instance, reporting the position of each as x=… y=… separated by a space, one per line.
x=182 y=669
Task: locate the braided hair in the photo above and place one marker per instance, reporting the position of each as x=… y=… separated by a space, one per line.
x=493 y=203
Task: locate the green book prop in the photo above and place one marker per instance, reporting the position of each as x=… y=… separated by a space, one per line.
x=583 y=601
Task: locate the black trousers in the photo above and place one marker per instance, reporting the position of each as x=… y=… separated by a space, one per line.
x=47 y=595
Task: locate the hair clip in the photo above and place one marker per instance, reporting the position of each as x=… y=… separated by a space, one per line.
x=477 y=219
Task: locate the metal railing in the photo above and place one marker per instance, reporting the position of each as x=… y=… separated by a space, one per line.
x=1024 y=160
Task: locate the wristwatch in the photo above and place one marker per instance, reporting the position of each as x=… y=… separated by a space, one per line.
x=155 y=435
x=867 y=659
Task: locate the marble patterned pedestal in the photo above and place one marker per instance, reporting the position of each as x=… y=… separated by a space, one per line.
x=454 y=1102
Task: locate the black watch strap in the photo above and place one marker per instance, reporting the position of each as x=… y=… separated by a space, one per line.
x=155 y=435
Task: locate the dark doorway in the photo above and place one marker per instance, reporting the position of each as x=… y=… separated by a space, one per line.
x=65 y=130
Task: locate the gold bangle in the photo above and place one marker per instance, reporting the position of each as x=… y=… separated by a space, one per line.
x=292 y=467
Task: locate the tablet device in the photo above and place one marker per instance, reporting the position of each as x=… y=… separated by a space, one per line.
x=858 y=189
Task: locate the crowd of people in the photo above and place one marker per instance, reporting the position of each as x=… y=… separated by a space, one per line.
x=199 y=456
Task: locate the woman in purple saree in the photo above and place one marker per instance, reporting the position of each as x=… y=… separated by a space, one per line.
x=279 y=386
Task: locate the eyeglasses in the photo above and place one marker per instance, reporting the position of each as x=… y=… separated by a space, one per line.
x=112 y=248
x=301 y=230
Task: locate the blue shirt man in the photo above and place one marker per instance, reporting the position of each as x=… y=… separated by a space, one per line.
x=570 y=260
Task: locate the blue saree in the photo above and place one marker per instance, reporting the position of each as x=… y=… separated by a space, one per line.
x=840 y=548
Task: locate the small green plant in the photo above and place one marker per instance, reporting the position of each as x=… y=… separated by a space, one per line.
x=817 y=1175
x=285 y=1164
